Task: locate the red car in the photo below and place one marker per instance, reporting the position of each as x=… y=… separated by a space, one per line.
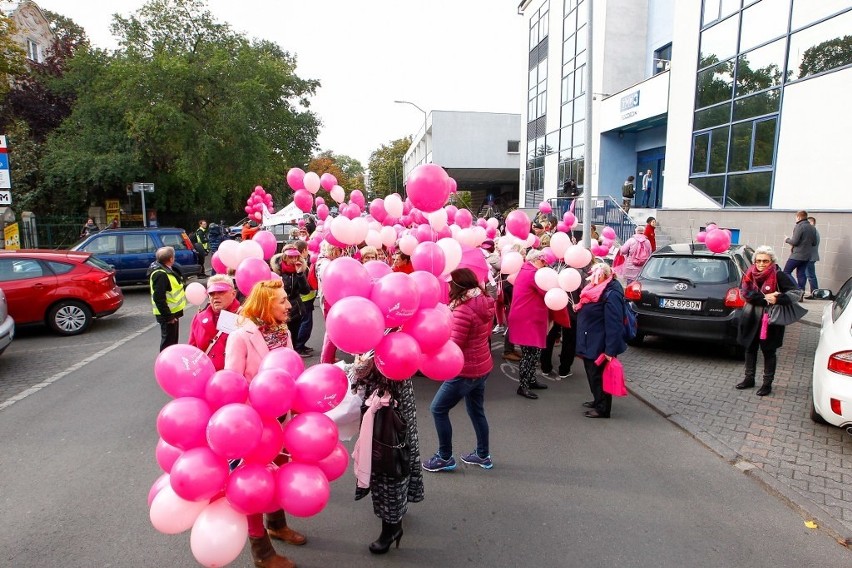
x=62 y=289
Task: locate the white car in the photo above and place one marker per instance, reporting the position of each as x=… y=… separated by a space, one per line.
x=7 y=324
x=832 y=378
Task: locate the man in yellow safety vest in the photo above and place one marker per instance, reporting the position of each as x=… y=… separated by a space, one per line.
x=167 y=295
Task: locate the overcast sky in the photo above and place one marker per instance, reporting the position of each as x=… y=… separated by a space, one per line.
x=464 y=55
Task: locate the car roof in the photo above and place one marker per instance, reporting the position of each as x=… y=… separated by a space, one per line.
x=696 y=249
x=49 y=254
x=138 y=230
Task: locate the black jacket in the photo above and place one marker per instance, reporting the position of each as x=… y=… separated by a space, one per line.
x=161 y=285
x=752 y=314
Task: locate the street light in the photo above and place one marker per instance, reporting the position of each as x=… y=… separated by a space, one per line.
x=425 y=138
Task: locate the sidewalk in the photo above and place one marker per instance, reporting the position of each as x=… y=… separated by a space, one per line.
x=770 y=438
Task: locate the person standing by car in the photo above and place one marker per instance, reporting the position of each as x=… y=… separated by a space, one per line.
x=803 y=241
x=90 y=228
x=203 y=332
x=636 y=251
x=763 y=285
x=167 y=295
x=600 y=330
x=202 y=245
x=811 y=272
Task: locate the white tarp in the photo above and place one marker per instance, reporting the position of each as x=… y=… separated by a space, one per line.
x=289 y=214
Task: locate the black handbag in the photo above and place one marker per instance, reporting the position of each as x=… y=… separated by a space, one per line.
x=391 y=452
x=789 y=313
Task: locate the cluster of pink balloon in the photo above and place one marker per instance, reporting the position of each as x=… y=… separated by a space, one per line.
x=256 y=202
x=249 y=259
x=607 y=240
x=306 y=185
x=216 y=417
x=715 y=239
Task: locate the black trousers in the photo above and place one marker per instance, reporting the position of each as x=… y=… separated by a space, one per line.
x=169 y=333
x=567 y=351
x=770 y=361
x=602 y=400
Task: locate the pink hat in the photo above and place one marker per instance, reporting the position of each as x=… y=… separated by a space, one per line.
x=219 y=287
x=291 y=252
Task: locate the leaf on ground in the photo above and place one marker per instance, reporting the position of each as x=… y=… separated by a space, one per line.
x=811 y=524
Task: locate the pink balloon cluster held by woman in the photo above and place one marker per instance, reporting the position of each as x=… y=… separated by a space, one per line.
x=216 y=418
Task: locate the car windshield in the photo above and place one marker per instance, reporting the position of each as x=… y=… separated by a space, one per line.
x=98 y=263
x=695 y=269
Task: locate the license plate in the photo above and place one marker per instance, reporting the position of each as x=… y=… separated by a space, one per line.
x=672 y=304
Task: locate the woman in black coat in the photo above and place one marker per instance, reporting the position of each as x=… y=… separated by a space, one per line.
x=293 y=272
x=763 y=285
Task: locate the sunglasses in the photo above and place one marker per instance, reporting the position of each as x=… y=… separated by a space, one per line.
x=761 y=261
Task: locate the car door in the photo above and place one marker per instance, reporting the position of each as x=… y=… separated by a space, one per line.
x=106 y=247
x=29 y=287
x=138 y=252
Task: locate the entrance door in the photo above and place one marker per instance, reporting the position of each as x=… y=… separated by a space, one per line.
x=654 y=160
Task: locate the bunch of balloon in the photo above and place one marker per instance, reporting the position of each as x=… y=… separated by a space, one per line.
x=258 y=199
x=248 y=259
x=715 y=239
x=218 y=420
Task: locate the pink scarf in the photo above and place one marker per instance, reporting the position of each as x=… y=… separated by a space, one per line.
x=363 y=452
x=593 y=290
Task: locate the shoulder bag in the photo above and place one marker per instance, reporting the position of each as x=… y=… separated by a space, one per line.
x=787 y=314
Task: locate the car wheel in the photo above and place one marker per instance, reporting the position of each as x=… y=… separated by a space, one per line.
x=815 y=415
x=69 y=317
x=638 y=340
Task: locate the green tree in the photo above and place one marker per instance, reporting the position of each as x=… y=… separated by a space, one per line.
x=12 y=55
x=385 y=167
x=827 y=55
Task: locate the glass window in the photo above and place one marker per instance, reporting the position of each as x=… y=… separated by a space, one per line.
x=749 y=190
x=60 y=267
x=567 y=114
x=719 y=42
x=570 y=17
x=582 y=39
x=138 y=244
x=700 y=148
x=756 y=105
x=565 y=142
x=713 y=187
x=174 y=240
x=579 y=79
x=740 y=147
x=569 y=87
x=760 y=69
x=711 y=11
x=763 y=154
x=103 y=244
x=533 y=77
x=544 y=25
x=551 y=143
x=764 y=21
x=579 y=134
x=809 y=11
x=821 y=47
x=718 y=149
x=582 y=13
x=713 y=116
x=698 y=269
x=580 y=60
x=568 y=50
x=580 y=107
x=715 y=84
x=662 y=59
x=21 y=269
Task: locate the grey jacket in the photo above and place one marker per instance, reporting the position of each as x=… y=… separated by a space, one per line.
x=804 y=240
x=815 y=251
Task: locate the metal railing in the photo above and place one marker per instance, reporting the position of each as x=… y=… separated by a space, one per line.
x=605 y=212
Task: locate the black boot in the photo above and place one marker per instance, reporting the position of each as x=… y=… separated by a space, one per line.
x=390 y=532
x=750 y=370
x=525 y=392
x=770 y=361
x=765 y=388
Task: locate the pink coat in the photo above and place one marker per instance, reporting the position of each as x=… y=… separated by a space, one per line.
x=203 y=331
x=246 y=349
x=628 y=270
x=528 y=315
x=472 y=332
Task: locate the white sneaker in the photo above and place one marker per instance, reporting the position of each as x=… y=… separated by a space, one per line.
x=499 y=329
x=568 y=374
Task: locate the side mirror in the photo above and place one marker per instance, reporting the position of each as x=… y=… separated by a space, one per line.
x=822 y=294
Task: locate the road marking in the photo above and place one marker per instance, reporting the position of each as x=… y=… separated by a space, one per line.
x=35 y=388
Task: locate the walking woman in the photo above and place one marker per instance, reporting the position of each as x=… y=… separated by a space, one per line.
x=473 y=311
x=763 y=285
x=600 y=330
x=528 y=319
x=293 y=270
x=263 y=328
x=391 y=493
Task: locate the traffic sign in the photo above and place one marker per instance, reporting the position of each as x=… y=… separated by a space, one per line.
x=5 y=196
x=140 y=187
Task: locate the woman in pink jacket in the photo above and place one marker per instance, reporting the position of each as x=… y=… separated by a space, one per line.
x=473 y=312
x=528 y=317
x=204 y=333
x=263 y=328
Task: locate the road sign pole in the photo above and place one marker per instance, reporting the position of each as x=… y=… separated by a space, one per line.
x=144 y=215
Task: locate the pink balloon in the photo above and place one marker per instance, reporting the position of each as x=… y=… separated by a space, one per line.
x=310 y=436
x=272 y=391
x=218 y=534
x=217 y=264
x=225 y=387
x=166 y=455
x=451 y=183
x=334 y=464
x=424 y=233
x=397 y=356
x=303 y=200
x=319 y=200
x=710 y=227
x=717 y=241
x=608 y=233
x=578 y=257
x=183 y=370
x=562 y=227
x=320 y=388
x=302 y=489
x=451 y=213
x=377 y=209
x=251 y=488
x=463 y=218
x=234 y=430
x=357 y=197
x=431 y=329
x=376 y=269
x=545 y=208
x=396 y=296
x=569 y=219
x=267 y=241
x=429 y=257
x=270 y=444
x=428 y=187
x=171 y=514
x=183 y=421
x=355 y=313
x=285 y=359
x=251 y=271
x=322 y=211
x=548 y=255
x=162 y=482
x=327 y=181
x=198 y=474
x=429 y=288
x=518 y=224
x=344 y=277
x=444 y=364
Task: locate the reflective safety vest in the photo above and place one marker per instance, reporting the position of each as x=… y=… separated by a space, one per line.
x=176 y=298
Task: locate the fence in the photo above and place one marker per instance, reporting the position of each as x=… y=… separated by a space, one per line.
x=605 y=211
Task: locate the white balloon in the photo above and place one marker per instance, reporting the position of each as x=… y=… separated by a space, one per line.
x=341 y=229
x=452 y=253
x=512 y=277
x=578 y=256
x=569 y=279
x=466 y=237
x=479 y=235
x=393 y=205
x=229 y=254
x=312 y=182
x=374 y=239
x=388 y=236
x=556 y=298
x=196 y=293
x=511 y=263
x=218 y=534
x=531 y=238
x=250 y=249
x=492 y=223
x=455 y=229
x=546 y=278
x=559 y=243
x=438 y=219
x=337 y=194
x=171 y=514
x=407 y=244
x=360 y=228
x=374 y=225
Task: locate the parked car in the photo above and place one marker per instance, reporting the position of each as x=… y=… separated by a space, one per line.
x=689 y=292
x=63 y=289
x=132 y=251
x=281 y=231
x=832 y=375
x=7 y=324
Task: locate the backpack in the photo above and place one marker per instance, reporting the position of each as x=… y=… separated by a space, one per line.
x=641 y=253
x=628 y=190
x=312 y=277
x=631 y=327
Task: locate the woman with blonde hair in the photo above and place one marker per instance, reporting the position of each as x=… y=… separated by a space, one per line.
x=369 y=253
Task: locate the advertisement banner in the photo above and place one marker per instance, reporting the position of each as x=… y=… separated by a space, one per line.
x=12 y=237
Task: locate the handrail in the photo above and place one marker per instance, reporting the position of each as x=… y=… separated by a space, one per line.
x=605 y=212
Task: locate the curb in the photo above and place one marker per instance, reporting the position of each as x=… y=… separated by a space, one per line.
x=806 y=508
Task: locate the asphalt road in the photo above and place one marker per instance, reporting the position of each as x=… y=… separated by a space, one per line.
x=78 y=431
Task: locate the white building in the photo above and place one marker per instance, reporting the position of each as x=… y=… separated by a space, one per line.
x=32 y=30
x=736 y=106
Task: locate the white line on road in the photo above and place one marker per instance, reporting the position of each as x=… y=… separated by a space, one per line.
x=35 y=388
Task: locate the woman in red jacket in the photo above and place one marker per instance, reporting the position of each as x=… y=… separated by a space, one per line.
x=473 y=312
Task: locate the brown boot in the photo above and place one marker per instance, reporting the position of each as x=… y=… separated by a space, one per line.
x=276 y=526
x=264 y=555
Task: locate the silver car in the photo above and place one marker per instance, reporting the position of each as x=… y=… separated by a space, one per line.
x=7 y=324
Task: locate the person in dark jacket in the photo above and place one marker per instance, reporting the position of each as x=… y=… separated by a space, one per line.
x=293 y=271
x=600 y=330
x=167 y=295
x=763 y=285
x=473 y=311
x=803 y=241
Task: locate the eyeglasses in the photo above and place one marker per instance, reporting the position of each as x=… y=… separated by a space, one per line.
x=762 y=261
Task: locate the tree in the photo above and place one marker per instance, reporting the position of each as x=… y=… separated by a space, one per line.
x=827 y=55
x=385 y=166
x=12 y=55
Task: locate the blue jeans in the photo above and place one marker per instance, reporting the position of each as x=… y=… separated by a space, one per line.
x=306 y=327
x=811 y=273
x=800 y=266
x=450 y=393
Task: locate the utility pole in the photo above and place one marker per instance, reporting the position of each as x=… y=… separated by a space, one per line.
x=587 y=161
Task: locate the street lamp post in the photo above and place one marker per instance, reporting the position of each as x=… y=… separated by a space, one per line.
x=425 y=138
